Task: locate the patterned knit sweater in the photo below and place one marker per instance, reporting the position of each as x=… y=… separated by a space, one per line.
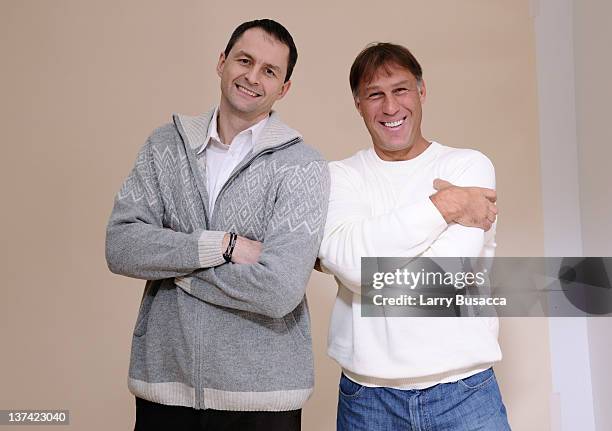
x=211 y=334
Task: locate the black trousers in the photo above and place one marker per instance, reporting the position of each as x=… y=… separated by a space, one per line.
x=152 y=416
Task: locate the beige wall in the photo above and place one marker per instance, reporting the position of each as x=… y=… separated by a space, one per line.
x=83 y=83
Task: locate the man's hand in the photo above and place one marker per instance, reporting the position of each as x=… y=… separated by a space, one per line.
x=468 y=206
x=246 y=251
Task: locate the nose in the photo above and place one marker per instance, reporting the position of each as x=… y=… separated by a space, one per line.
x=252 y=76
x=390 y=105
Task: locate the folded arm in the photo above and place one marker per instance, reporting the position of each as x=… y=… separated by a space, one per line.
x=275 y=284
x=418 y=229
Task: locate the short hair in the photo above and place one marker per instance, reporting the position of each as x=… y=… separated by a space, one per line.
x=378 y=55
x=275 y=30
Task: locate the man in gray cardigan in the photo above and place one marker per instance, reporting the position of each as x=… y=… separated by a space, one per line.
x=223 y=214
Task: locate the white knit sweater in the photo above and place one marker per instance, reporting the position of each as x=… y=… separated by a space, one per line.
x=380 y=208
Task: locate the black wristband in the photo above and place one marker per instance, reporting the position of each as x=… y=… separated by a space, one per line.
x=227 y=255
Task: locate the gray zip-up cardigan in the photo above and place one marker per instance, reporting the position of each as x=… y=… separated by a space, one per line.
x=211 y=334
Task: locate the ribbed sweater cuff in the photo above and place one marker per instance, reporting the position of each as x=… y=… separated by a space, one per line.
x=209 y=248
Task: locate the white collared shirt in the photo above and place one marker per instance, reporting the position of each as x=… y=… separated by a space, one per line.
x=221 y=159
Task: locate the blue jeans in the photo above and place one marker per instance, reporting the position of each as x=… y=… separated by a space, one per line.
x=471 y=404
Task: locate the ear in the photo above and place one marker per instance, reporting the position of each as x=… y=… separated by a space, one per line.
x=220 y=64
x=284 y=89
x=422 y=92
x=357 y=105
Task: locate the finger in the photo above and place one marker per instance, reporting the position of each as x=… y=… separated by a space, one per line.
x=491 y=217
x=493 y=208
x=440 y=184
x=487 y=225
x=490 y=194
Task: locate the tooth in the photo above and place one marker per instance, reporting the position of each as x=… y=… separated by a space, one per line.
x=394 y=123
x=249 y=92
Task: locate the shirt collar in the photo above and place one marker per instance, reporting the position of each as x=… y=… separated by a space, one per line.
x=213 y=133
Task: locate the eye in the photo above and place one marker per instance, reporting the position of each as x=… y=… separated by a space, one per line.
x=270 y=72
x=401 y=90
x=374 y=95
x=243 y=60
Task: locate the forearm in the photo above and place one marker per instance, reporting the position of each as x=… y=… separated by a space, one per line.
x=255 y=288
x=405 y=231
x=149 y=252
x=273 y=286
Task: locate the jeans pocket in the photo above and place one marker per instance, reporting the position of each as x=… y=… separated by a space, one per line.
x=478 y=380
x=348 y=388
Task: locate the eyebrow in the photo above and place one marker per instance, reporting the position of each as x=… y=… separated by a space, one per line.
x=250 y=57
x=370 y=88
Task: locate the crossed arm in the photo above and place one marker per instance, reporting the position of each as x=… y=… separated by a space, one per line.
x=274 y=283
x=451 y=222
x=267 y=278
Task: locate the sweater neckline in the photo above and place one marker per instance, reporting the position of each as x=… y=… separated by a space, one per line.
x=429 y=153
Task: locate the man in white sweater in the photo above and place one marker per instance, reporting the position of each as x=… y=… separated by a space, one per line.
x=417 y=373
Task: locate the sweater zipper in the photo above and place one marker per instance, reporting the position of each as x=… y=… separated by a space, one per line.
x=243 y=166
x=199 y=390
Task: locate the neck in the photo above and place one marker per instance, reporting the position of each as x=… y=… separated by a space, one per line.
x=230 y=123
x=411 y=152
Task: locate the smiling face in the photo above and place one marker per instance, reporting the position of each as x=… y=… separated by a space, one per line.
x=391 y=107
x=252 y=75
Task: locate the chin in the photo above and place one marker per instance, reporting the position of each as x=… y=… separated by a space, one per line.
x=243 y=107
x=396 y=145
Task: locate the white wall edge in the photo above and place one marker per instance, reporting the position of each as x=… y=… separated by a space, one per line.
x=572 y=393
